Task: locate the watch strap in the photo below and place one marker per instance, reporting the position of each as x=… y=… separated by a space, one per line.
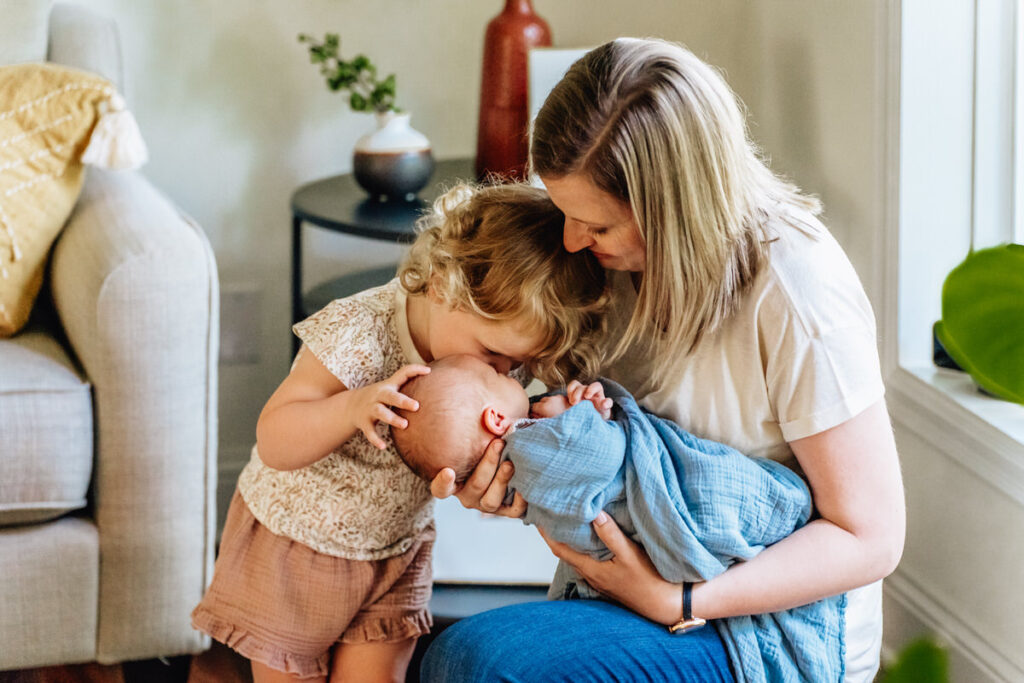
x=687 y=622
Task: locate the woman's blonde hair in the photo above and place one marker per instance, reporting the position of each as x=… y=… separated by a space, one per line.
x=651 y=124
x=496 y=251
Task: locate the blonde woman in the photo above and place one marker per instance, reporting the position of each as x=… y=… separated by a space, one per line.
x=738 y=316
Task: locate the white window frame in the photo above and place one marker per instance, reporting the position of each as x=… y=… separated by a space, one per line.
x=953 y=182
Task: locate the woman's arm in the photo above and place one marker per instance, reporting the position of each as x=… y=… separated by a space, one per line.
x=855 y=481
x=312 y=412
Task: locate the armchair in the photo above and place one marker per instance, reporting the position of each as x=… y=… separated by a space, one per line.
x=108 y=428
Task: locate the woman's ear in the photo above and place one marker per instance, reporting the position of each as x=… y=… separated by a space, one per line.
x=495 y=421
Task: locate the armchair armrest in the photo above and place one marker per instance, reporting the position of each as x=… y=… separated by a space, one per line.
x=135 y=286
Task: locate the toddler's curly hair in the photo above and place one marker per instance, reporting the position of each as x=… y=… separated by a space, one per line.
x=496 y=251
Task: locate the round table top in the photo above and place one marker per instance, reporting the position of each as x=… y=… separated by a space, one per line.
x=338 y=203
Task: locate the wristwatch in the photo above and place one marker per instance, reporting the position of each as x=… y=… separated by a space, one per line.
x=687 y=622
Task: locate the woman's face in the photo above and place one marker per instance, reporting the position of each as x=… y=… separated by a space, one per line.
x=598 y=221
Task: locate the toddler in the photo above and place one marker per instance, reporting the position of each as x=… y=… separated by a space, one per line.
x=324 y=563
x=696 y=506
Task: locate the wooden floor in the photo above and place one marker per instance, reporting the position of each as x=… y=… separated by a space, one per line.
x=217 y=665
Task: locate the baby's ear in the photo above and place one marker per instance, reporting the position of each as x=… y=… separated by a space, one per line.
x=495 y=421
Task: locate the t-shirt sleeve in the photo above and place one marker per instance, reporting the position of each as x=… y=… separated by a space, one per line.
x=833 y=378
x=822 y=365
x=348 y=338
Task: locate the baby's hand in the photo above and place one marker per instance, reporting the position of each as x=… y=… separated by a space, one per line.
x=549 y=406
x=372 y=403
x=593 y=392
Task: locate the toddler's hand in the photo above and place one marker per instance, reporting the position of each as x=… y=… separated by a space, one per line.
x=372 y=403
x=549 y=406
x=593 y=392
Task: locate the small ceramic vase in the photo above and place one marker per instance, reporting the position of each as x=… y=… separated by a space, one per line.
x=394 y=161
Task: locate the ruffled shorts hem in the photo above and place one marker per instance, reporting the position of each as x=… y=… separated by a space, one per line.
x=388 y=629
x=256 y=649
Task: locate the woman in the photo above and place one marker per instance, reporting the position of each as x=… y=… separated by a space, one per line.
x=737 y=316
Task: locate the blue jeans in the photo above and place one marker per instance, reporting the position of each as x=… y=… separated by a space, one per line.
x=571 y=640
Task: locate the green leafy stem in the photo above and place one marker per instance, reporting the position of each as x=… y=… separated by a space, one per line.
x=358 y=76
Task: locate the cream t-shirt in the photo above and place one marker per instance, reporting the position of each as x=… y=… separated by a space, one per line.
x=798 y=357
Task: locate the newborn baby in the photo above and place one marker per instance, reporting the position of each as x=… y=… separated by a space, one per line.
x=696 y=506
x=464 y=405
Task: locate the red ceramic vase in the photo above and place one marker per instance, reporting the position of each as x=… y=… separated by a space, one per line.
x=501 y=143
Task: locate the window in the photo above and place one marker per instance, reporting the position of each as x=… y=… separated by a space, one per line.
x=961 y=152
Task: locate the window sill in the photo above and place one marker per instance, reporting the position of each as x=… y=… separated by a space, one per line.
x=984 y=434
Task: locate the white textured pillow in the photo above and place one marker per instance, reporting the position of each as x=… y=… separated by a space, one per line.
x=24 y=27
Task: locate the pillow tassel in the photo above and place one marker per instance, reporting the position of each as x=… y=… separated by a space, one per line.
x=116 y=141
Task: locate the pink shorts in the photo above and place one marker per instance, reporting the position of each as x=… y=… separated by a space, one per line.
x=281 y=603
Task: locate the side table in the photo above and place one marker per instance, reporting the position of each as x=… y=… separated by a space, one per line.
x=339 y=204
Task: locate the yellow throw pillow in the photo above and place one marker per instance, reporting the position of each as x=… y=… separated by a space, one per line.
x=49 y=117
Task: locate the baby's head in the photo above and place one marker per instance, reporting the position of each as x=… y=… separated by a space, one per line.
x=464 y=404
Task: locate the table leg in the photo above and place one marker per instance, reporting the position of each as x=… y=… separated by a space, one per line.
x=296 y=279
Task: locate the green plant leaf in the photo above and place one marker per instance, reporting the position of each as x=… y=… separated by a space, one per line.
x=358 y=76
x=982 y=326
x=921 y=661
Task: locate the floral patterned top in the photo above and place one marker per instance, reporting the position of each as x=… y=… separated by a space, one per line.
x=359 y=502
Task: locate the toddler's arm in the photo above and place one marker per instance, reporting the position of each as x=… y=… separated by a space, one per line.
x=312 y=412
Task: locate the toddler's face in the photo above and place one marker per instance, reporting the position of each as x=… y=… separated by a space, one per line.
x=501 y=345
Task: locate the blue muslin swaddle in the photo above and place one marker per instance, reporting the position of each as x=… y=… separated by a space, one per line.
x=696 y=506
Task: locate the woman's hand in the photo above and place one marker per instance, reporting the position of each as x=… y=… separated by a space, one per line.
x=372 y=404
x=486 y=487
x=629 y=577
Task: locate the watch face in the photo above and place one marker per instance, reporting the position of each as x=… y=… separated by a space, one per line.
x=687 y=625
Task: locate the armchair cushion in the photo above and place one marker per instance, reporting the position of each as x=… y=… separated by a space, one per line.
x=46 y=412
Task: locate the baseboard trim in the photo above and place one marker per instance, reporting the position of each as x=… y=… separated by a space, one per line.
x=973 y=660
